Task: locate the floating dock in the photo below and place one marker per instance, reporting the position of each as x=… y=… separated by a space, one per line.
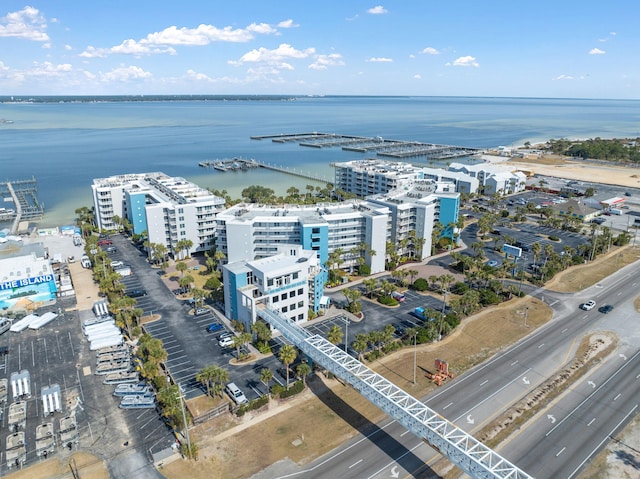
x=230 y=164
x=24 y=196
x=380 y=146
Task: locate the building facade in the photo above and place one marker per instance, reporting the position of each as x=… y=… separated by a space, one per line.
x=168 y=209
x=290 y=282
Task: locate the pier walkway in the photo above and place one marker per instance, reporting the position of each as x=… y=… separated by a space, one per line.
x=378 y=145
x=24 y=196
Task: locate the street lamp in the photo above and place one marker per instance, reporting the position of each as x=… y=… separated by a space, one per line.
x=346 y=331
x=415 y=350
x=526 y=315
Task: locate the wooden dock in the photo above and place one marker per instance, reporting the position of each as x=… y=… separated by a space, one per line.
x=230 y=164
x=380 y=146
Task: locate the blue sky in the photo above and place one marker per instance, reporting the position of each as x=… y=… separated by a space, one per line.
x=561 y=48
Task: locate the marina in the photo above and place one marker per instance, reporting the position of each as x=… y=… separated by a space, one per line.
x=380 y=146
x=23 y=194
x=230 y=164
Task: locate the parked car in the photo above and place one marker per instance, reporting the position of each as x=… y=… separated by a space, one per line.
x=213 y=327
x=200 y=311
x=589 y=305
x=117 y=264
x=136 y=293
x=225 y=342
x=111 y=249
x=236 y=394
x=105 y=242
x=607 y=308
x=398 y=296
x=492 y=263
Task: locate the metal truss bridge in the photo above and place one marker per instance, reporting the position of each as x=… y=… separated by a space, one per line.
x=462 y=449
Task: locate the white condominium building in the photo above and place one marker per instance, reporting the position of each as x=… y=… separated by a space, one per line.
x=169 y=209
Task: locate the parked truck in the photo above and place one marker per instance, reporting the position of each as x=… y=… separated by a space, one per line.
x=421 y=313
x=615 y=211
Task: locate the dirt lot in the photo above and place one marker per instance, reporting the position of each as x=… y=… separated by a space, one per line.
x=334 y=412
x=84 y=464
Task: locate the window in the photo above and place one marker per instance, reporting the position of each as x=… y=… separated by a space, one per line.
x=283 y=296
x=275 y=299
x=295 y=275
x=285 y=309
x=292 y=294
x=315 y=231
x=300 y=291
x=301 y=316
x=300 y=304
x=270 y=282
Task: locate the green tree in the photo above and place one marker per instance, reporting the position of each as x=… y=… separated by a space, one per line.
x=266 y=375
x=335 y=334
x=303 y=370
x=181 y=267
x=287 y=355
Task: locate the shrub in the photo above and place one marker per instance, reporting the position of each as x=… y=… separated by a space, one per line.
x=460 y=288
x=553 y=238
x=421 y=284
x=504 y=213
x=489 y=297
x=387 y=301
x=212 y=283
x=294 y=389
x=364 y=270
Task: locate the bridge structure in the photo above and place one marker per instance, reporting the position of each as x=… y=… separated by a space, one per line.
x=462 y=449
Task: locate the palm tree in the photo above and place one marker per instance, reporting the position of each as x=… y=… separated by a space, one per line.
x=206 y=376
x=266 y=375
x=360 y=344
x=370 y=285
x=184 y=245
x=335 y=335
x=186 y=281
x=181 y=267
x=241 y=340
x=412 y=273
x=303 y=370
x=287 y=355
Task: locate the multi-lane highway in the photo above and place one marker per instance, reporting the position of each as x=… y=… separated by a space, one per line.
x=473 y=399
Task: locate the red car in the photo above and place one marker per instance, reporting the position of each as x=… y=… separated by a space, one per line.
x=104 y=242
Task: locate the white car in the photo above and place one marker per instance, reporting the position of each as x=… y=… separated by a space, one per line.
x=226 y=342
x=589 y=305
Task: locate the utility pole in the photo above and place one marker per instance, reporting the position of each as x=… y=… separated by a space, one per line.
x=415 y=351
x=346 y=331
x=184 y=419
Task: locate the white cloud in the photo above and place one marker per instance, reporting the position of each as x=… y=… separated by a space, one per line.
x=68 y=48
x=377 y=10
x=322 y=62
x=276 y=58
x=596 y=51
x=26 y=23
x=564 y=77
x=379 y=60
x=430 y=51
x=613 y=34
x=466 y=61
x=287 y=24
x=125 y=74
x=161 y=42
x=417 y=76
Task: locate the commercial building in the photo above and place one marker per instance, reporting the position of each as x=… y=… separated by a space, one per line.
x=27 y=279
x=168 y=209
x=493 y=178
x=291 y=282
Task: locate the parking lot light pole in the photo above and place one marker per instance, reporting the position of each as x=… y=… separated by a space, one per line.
x=346 y=331
x=184 y=419
x=526 y=315
x=415 y=350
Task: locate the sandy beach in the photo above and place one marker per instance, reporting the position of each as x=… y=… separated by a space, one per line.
x=575 y=170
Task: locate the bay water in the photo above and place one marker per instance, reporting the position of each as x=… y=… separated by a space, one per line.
x=64 y=145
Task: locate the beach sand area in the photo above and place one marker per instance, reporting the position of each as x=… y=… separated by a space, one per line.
x=555 y=166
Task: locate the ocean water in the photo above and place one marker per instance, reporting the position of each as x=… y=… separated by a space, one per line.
x=65 y=145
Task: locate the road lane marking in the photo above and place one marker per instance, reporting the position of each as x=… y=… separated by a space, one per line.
x=514 y=363
x=486 y=381
x=610 y=378
x=564 y=330
x=560 y=451
x=447 y=406
x=405 y=433
x=355 y=464
x=492 y=395
x=542 y=345
x=606 y=439
x=591 y=422
x=615 y=398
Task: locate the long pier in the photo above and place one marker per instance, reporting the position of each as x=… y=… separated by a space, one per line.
x=23 y=194
x=378 y=145
x=239 y=164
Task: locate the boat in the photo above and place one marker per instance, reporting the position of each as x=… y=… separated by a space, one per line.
x=138 y=402
x=121 y=378
x=6 y=214
x=5 y=325
x=128 y=389
x=112 y=367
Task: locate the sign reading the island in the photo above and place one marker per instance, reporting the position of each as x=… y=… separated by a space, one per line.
x=20 y=283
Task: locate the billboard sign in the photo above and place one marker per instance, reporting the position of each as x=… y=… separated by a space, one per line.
x=510 y=250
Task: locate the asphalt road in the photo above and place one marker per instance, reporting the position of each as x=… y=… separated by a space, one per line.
x=474 y=398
